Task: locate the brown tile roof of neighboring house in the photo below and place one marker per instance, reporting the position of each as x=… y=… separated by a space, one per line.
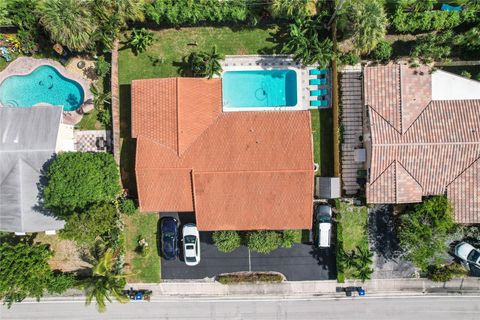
x=432 y=148
x=237 y=170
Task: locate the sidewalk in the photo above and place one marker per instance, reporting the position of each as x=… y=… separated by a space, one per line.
x=383 y=286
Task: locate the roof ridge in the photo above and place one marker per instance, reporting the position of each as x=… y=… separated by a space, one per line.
x=463 y=171
x=383 y=118
x=177 y=115
x=400 y=96
x=378 y=177
x=411 y=175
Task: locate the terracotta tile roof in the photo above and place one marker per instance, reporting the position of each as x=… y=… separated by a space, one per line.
x=268 y=192
x=437 y=144
x=183 y=108
x=465 y=196
x=243 y=147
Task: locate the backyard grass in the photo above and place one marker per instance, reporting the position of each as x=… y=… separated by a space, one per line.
x=142 y=268
x=89 y=121
x=351 y=233
x=323 y=140
x=171 y=45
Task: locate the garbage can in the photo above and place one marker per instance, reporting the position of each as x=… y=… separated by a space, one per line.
x=361 y=291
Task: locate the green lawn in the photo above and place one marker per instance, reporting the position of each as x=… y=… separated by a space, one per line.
x=172 y=45
x=142 y=269
x=352 y=229
x=323 y=140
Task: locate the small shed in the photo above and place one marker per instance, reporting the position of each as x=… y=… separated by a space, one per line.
x=327 y=187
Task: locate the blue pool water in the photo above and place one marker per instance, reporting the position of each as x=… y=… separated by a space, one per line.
x=259 y=88
x=44 y=84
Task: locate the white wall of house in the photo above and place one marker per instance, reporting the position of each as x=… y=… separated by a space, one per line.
x=65 y=139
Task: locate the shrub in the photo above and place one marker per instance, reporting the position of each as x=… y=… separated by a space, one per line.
x=105 y=117
x=466 y=74
x=290 y=237
x=340 y=261
x=205 y=63
x=250 y=277
x=349 y=58
x=78 y=179
x=424 y=229
x=263 y=241
x=127 y=206
x=424 y=18
x=432 y=47
x=227 y=241
x=140 y=40
x=85 y=227
x=444 y=273
x=60 y=282
x=382 y=52
x=187 y=12
x=477 y=77
x=102 y=67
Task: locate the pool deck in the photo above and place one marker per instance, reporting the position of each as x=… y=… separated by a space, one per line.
x=276 y=62
x=25 y=65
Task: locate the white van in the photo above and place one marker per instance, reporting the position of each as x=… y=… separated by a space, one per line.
x=323 y=224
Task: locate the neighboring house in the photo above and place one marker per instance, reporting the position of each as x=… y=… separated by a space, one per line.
x=235 y=170
x=29 y=138
x=423 y=137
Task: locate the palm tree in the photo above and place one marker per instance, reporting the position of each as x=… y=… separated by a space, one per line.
x=104 y=282
x=205 y=64
x=100 y=98
x=69 y=22
x=140 y=40
x=112 y=15
x=292 y=8
x=212 y=62
x=305 y=44
x=369 y=24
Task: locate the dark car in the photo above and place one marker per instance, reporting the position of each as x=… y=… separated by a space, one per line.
x=169 y=232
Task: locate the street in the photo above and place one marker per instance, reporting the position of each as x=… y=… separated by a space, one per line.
x=391 y=308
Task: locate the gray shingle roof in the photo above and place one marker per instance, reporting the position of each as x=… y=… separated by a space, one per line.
x=28 y=137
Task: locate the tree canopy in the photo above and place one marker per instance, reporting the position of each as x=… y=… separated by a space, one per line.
x=69 y=22
x=307 y=41
x=424 y=230
x=24 y=271
x=86 y=226
x=79 y=179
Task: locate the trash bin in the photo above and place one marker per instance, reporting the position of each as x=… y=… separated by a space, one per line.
x=361 y=291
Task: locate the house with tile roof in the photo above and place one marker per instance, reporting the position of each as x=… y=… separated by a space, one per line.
x=422 y=137
x=29 y=138
x=234 y=170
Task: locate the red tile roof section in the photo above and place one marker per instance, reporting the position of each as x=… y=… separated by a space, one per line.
x=465 y=196
x=439 y=145
x=276 y=200
x=174 y=111
x=243 y=144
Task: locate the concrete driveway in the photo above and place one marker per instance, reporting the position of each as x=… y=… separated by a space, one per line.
x=301 y=262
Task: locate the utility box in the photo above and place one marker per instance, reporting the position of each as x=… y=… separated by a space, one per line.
x=327 y=187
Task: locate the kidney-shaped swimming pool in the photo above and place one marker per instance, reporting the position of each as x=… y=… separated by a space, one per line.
x=43 y=85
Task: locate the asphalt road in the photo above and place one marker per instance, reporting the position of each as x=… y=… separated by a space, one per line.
x=393 y=308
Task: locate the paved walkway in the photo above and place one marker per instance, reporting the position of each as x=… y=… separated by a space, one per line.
x=88 y=140
x=352 y=120
x=328 y=287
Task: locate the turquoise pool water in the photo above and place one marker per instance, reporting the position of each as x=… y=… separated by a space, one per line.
x=44 y=84
x=259 y=88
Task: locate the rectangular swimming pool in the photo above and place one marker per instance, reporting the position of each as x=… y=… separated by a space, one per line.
x=259 y=89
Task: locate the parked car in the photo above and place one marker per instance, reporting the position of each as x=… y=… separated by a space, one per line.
x=191 y=244
x=169 y=233
x=468 y=253
x=323 y=225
